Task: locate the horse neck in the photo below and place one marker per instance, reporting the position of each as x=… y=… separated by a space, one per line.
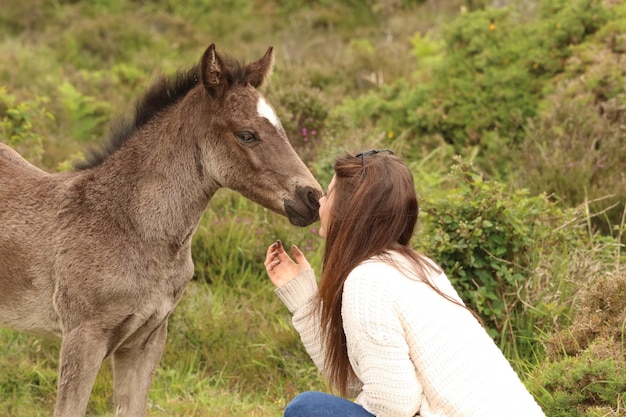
x=158 y=168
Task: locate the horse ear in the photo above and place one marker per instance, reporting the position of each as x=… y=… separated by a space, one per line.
x=259 y=71
x=212 y=71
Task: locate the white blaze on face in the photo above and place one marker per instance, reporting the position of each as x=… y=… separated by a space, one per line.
x=265 y=110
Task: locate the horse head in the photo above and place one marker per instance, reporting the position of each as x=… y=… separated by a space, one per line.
x=247 y=144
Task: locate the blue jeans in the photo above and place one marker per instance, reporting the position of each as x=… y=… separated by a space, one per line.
x=320 y=404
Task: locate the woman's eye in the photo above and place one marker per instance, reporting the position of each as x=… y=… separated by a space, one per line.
x=246 y=137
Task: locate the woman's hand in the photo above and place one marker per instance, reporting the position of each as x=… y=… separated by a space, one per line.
x=280 y=267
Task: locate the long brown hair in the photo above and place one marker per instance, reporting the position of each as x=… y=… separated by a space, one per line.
x=374 y=211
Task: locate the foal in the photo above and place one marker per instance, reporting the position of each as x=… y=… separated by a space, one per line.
x=100 y=256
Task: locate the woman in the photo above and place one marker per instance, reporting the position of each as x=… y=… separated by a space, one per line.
x=386 y=326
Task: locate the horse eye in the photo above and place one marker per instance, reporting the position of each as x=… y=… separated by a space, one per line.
x=246 y=137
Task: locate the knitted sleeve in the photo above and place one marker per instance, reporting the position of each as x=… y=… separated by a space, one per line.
x=299 y=297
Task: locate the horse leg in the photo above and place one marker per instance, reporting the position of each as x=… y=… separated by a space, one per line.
x=133 y=369
x=82 y=351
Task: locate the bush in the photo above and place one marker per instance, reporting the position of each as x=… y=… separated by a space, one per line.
x=576 y=155
x=489 y=80
x=504 y=62
x=574 y=149
x=19 y=124
x=488 y=238
x=19 y=16
x=576 y=386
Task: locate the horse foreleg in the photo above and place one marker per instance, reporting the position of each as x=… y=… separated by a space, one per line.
x=133 y=369
x=82 y=352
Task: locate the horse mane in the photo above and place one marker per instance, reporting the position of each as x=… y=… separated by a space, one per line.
x=164 y=92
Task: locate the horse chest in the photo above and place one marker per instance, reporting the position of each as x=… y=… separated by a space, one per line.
x=159 y=298
x=165 y=291
x=148 y=315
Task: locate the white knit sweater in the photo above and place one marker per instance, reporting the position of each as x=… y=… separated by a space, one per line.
x=414 y=352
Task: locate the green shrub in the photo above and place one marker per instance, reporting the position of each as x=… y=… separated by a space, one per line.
x=574 y=148
x=488 y=81
x=19 y=16
x=86 y=116
x=496 y=67
x=576 y=155
x=488 y=238
x=427 y=49
x=568 y=388
x=20 y=122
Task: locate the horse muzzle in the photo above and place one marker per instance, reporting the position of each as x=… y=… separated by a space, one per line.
x=304 y=209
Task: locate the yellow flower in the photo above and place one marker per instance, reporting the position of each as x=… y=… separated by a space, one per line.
x=492 y=26
x=390 y=134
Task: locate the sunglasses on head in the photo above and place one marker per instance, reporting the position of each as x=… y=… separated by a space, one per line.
x=362 y=155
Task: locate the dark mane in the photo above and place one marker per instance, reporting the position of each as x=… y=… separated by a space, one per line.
x=163 y=93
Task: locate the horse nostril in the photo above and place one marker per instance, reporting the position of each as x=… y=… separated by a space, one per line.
x=313 y=200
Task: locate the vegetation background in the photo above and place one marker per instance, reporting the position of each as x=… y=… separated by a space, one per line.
x=512 y=115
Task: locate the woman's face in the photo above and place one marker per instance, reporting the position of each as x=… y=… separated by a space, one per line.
x=325 y=206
